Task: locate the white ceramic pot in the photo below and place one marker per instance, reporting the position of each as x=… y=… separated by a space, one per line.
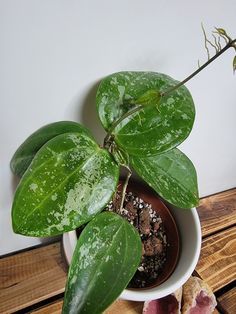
x=190 y=244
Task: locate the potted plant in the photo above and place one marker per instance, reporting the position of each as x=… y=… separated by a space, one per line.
x=68 y=179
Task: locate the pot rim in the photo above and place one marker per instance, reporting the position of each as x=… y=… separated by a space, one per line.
x=69 y=242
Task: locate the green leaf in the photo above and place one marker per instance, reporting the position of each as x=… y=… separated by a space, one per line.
x=221 y=31
x=106 y=257
x=172 y=175
x=234 y=64
x=121 y=157
x=155 y=128
x=69 y=181
x=150 y=98
x=27 y=150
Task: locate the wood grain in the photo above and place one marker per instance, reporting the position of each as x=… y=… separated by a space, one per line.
x=217 y=263
x=119 y=306
x=126 y=307
x=217 y=212
x=38 y=274
x=30 y=277
x=53 y=308
x=227 y=302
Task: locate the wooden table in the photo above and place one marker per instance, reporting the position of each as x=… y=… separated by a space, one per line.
x=33 y=281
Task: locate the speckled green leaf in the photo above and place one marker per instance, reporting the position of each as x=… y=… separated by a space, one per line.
x=69 y=181
x=27 y=150
x=172 y=175
x=154 y=129
x=121 y=157
x=150 y=98
x=106 y=257
x=234 y=64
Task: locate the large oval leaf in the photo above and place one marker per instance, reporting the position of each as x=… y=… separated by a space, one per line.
x=27 y=150
x=154 y=129
x=172 y=175
x=69 y=181
x=106 y=257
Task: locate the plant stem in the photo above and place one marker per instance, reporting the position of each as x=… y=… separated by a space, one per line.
x=124 y=188
x=231 y=43
x=168 y=91
x=114 y=125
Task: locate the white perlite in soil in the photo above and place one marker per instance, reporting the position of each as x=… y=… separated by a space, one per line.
x=150 y=227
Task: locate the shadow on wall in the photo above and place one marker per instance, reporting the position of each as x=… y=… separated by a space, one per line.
x=90 y=119
x=89 y=115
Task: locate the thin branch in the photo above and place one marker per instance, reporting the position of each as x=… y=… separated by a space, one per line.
x=230 y=43
x=205 y=42
x=114 y=125
x=129 y=173
x=219 y=43
x=216 y=50
x=217 y=46
x=171 y=89
x=225 y=39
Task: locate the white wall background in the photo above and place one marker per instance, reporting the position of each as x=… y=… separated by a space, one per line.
x=53 y=53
